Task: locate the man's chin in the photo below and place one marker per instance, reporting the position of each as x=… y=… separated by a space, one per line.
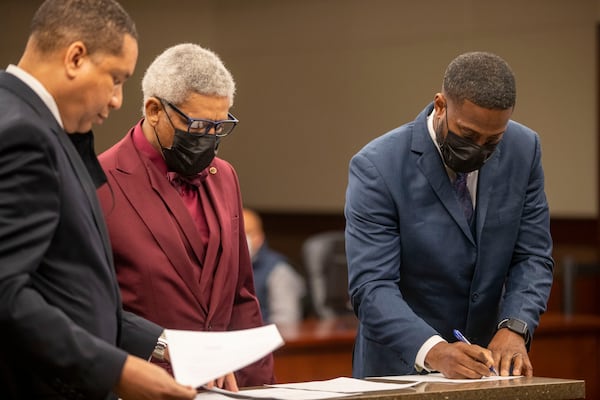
x=99 y=121
x=80 y=131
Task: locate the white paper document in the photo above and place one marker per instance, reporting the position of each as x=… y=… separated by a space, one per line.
x=338 y=387
x=271 y=394
x=439 y=377
x=200 y=357
x=345 y=385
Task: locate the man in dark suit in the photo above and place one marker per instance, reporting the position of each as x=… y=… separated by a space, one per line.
x=62 y=328
x=448 y=228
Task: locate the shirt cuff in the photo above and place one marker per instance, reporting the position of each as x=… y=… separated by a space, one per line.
x=428 y=345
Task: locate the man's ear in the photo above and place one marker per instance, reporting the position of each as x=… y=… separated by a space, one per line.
x=75 y=56
x=439 y=103
x=152 y=107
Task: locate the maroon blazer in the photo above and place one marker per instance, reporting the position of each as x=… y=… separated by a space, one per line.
x=164 y=272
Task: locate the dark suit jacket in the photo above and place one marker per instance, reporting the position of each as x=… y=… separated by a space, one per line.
x=415 y=267
x=60 y=308
x=164 y=272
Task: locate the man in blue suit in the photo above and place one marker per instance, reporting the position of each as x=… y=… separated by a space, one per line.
x=447 y=227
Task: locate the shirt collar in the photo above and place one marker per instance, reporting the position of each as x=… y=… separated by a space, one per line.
x=38 y=88
x=433 y=135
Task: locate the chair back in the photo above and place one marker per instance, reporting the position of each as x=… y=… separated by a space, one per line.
x=324 y=257
x=574 y=272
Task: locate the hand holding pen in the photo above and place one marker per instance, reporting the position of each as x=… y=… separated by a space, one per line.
x=463 y=339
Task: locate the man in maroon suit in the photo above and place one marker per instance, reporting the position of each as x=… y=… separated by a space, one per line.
x=174 y=210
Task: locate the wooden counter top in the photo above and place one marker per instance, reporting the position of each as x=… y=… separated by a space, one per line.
x=563 y=347
x=521 y=388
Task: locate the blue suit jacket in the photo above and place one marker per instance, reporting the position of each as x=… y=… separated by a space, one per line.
x=415 y=268
x=60 y=310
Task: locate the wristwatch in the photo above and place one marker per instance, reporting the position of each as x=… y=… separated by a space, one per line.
x=517 y=326
x=161 y=346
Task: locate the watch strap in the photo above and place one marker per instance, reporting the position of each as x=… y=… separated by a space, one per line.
x=160 y=347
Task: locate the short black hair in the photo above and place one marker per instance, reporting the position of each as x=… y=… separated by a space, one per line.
x=99 y=24
x=482 y=78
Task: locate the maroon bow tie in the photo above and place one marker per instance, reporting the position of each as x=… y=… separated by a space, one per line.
x=178 y=180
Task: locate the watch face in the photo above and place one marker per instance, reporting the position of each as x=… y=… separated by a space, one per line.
x=516 y=325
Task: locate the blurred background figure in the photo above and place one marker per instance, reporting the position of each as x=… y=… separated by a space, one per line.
x=279 y=288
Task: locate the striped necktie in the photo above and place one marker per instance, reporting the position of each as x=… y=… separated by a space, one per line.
x=463 y=195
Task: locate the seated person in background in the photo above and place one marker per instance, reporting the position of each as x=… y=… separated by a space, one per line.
x=174 y=210
x=279 y=287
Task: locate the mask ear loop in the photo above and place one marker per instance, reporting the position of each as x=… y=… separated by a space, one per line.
x=154 y=128
x=438 y=136
x=446 y=116
x=159 y=143
x=168 y=117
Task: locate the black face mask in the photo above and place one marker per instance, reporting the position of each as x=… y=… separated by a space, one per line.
x=189 y=154
x=460 y=154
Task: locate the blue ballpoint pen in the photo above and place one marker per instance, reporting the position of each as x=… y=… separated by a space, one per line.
x=463 y=339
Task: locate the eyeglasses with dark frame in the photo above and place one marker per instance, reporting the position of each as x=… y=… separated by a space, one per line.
x=199 y=126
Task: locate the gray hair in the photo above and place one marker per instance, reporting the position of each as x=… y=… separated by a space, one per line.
x=482 y=78
x=184 y=69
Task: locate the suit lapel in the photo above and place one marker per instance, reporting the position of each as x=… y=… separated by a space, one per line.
x=485 y=186
x=213 y=248
x=215 y=277
x=131 y=174
x=432 y=167
x=90 y=190
x=20 y=89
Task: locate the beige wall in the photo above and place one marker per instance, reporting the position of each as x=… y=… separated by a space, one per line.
x=318 y=79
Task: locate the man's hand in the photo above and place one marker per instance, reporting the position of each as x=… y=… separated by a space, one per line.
x=460 y=360
x=143 y=380
x=509 y=352
x=226 y=382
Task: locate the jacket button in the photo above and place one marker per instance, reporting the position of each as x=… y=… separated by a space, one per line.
x=474 y=297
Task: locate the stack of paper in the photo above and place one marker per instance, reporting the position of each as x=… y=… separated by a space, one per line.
x=316 y=390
